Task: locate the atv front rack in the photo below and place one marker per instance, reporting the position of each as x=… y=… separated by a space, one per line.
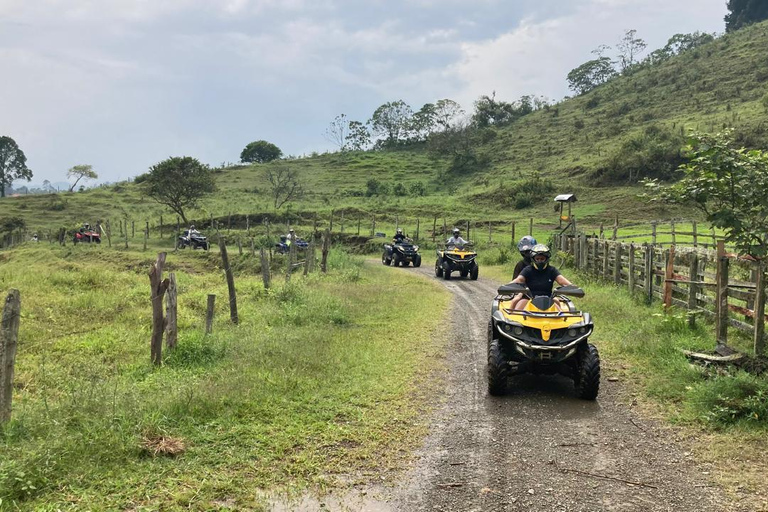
x=559 y=314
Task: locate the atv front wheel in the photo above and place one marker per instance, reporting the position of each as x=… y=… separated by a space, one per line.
x=417 y=261
x=473 y=272
x=464 y=273
x=385 y=260
x=395 y=260
x=438 y=269
x=588 y=372
x=498 y=369
x=447 y=273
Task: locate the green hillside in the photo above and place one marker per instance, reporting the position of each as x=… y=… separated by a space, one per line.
x=597 y=145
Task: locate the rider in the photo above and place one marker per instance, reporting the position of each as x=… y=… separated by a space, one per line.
x=456 y=239
x=399 y=236
x=291 y=237
x=192 y=231
x=539 y=276
x=524 y=246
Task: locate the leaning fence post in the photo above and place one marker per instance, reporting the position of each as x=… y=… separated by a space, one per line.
x=693 y=288
x=159 y=286
x=264 y=269
x=171 y=330
x=326 y=247
x=209 y=313
x=617 y=264
x=230 y=281
x=9 y=338
x=759 y=337
x=434 y=229
x=721 y=320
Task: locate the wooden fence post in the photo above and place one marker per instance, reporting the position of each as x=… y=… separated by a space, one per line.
x=615 y=228
x=669 y=274
x=146 y=235
x=178 y=226
x=617 y=264
x=264 y=269
x=248 y=224
x=326 y=247
x=490 y=235
x=209 y=313
x=307 y=254
x=158 y=288
x=653 y=233
x=672 y=230
x=631 y=269
x=126 y=233
x=695 y=231
x=577 y=252
x=434 y=229
x=417 y=229
x=693 y=288
x=331 y=223
x=584 y=251
x=358 y=226
x=513 y=236
x=759 y=338
x=291 y=259
x=239 y=246
x=445 y=229
x=171 y=329
x=530 y=227
x=230 y=282
x=721 y=318
x=467 y=229
x=649 y=273
x=373 y=226
x=9 y=338
x=595 y=260
x=606 y=259
x=342 y=222
x=160 y=229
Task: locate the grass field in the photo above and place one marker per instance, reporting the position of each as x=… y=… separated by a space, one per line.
x=319 y=383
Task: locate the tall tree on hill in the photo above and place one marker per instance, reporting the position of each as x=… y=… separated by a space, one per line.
x=745 y=12
x=392 y=122
x=629 y=48
x=80 y=172
x=447 y=112
x=179 y=183
x=260 y=151
x=591 y=74
x=358 y=137
x=13 y=164
x=337 y=132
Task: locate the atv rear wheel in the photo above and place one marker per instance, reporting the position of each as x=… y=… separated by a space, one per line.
x=587 y=372
x=473 y=272
x=498 y=369
x=438 y=269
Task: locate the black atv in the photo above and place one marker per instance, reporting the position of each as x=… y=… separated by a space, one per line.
x=457 y=259
x=548 y=336
x=195 y=241
x=401 y=253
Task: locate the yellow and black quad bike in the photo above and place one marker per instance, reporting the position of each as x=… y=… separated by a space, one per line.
x=456 y=259
x=542 y=338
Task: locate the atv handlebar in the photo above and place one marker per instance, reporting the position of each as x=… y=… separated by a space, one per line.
x=515 y=288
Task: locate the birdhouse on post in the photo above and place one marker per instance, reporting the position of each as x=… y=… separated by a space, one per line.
x=562 y=199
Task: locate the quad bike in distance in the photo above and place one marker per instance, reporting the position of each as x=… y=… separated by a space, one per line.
x=401 y=253
x=457 y=259
x=86 y=235
x=194 y=240
x=284 y=247
x=548 y=336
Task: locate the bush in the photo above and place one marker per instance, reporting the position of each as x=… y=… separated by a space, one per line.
x=522 y=194
x=418 y=189
x=374 y=187
x=579 y=124
x=399 y=189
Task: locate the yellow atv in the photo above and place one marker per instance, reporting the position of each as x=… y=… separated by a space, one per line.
x=453 y=259
x=542 y=338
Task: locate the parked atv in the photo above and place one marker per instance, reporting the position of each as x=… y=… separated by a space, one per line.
x=542 y=338
x=194 y=240
x=86 y=236
x=401 y=253
x=456 y=259
x=283 y=247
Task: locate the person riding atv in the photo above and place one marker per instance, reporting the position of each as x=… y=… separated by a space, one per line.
x=539 y=276
x=399 y=236
x=401 y=251
x=456 y=256
x=193 y=238
x=524 y=246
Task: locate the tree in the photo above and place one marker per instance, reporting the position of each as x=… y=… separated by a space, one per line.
x=629 y=48
x=13 y=164
x=338 y=131
x=391 y=121
x=491 y=112
x=284 y=185
x=745 y=12
x=179 y=183
x=446 y=113
x=591 y=74
x=81 y=172
x=423 y=122
x=261 y=152
x=729 y=186
x=358 y=138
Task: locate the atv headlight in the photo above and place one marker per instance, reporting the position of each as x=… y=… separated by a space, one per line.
x=507 y=327
x=572 y=333
x=517 y=330
x=415 y=247
x=583 y=330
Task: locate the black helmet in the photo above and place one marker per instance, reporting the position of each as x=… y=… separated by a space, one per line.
x=538 y=250
x=526 y=244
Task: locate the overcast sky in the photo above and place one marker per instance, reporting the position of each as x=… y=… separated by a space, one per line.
x=123 y=84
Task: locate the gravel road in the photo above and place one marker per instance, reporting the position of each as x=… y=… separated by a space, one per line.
x=539 y=448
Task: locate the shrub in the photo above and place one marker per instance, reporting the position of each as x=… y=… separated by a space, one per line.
x=418 y=189
x=399 y=189
x=579 y=124
x=521 y=194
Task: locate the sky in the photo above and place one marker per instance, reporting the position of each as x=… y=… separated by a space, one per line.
x=124 y=84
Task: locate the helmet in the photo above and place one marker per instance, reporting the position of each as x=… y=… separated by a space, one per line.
x=526 y=244
x=399 y=231
x=456 y=231
x=539 y=250
x=291 y=230
x=192 y=226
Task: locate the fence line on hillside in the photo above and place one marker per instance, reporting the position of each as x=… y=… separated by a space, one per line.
x=716 y=284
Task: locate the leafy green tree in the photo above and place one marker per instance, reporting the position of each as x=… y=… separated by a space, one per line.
x=374 y=187
x=745 y=12
x=591 y=74
x=446 y=113
x=80 y=172
x=423 y=122
x=13 y=164
x=392 y=121
x=179 y=183
x=358 y=137
x=261 y=152
x=491 y=112
x=729 y=185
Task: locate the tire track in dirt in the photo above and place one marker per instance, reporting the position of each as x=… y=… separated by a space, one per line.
x=523 y=451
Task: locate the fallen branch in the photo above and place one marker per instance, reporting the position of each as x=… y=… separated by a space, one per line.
x=713 y=359
x=605 y=477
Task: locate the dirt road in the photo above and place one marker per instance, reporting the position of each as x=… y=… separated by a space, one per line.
x=539 y=448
